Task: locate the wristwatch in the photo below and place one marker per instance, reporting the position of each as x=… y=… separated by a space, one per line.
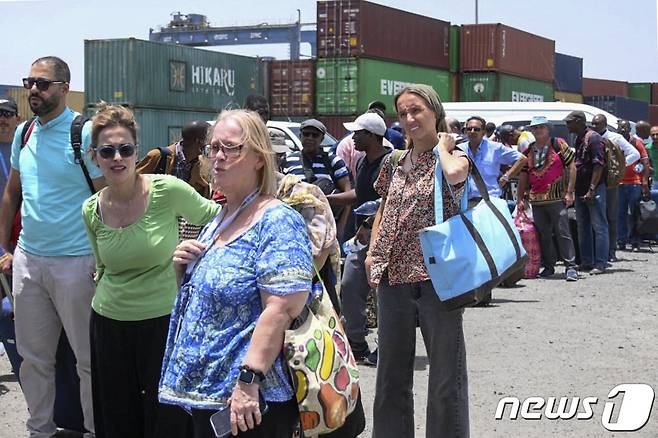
x=505 y=178
x=592 y=187
x=249 y=376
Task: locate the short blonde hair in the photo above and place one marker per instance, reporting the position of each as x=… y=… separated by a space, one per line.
x=254 y=134
x=110 y=116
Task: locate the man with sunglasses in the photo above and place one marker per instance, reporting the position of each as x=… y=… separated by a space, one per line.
x=53 y=265
x=488 y=156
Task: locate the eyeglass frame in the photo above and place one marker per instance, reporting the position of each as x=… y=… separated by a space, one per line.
x=208 y=149
x=28 y=86
x=7 y=114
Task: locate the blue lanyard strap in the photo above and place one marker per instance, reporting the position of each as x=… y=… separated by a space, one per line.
x=218 y=225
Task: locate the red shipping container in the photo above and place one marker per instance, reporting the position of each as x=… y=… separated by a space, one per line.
x=496 y=47
x=292 y=88
x=604 y=87
x=654 y=93
x=653 y=115
x=356 y=28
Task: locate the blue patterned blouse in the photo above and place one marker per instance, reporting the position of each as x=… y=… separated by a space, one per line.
x=216 y=311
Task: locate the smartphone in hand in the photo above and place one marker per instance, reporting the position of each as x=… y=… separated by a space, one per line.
x=221 y=420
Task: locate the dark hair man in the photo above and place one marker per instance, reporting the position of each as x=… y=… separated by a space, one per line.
x=490 y=128
x=643 y=129
x=183 y=157
x=488 y=156
x=631 y=154
x=395 y=137
x=632 y=187
x=369 y=130
x=508 y=135
x=8 y=121
x=53 y=265
x=590 y=195
x=259 y=104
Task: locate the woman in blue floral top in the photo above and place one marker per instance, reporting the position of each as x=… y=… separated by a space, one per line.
x=247 y=277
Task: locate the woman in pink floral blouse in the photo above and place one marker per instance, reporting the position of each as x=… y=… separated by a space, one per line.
x=404 y=290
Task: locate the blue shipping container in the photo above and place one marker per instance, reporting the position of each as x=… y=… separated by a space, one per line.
x=568 y=73
x=622 y=107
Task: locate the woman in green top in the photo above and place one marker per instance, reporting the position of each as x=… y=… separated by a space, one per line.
x=133 y=229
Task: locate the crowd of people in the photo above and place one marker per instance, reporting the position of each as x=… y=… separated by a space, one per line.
x=175 y=277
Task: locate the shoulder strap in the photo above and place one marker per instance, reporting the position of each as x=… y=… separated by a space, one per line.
x=395 y=159
x=76 y=143
x=555 y=145
x=28 y=127
x=307 y=166
x=161 y=168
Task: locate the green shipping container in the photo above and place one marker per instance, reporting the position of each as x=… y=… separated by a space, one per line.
x=454 y=48
x=146 y=74
x=348 y=85
x=640 y=91
x=493 y=87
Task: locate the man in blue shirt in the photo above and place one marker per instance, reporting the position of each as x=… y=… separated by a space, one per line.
x=488 y=156
x=8 y=121
x=52 y=264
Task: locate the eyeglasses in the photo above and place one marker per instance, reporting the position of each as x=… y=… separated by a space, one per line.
x=229 y=151
x=107 y=151
x=655 y=134
x=472 y=128
x=42 y=84
x=7 y=114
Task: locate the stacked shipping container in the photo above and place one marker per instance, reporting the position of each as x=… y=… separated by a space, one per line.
x=604 y=87
x=621 y=107
x=368 y=52
x=167 y=85
x=292 y=88
x=518 y=65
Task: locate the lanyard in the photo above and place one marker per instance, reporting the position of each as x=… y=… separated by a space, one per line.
x=217 y=226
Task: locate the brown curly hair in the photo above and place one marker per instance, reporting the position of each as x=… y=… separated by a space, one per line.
x=110 y=116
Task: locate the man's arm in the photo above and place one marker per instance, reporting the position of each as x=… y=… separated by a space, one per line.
x=630 y=152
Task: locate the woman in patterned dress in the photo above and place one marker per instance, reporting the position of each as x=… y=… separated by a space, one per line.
x=404 y=290
x=247 y=277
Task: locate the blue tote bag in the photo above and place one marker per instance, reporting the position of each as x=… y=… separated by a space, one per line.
x=477 y=247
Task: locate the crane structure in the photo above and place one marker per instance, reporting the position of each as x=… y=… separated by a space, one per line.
x=194 y=30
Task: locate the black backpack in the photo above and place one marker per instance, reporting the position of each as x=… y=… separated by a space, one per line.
x=76 y=143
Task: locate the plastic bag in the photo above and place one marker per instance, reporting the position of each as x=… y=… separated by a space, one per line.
x=530 y=240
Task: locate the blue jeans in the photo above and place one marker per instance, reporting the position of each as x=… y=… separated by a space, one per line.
x=593 y=229
x=629 y=197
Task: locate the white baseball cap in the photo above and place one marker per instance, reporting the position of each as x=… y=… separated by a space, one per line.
x=371 y=122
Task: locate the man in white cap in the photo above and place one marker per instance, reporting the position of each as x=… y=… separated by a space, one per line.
x=550 y=161
x=369 y=130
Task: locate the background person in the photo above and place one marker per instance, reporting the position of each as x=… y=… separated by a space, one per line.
x=133 y=229
x=551 y=177
x=252 y=275
x=405 y=293
x=52 y=266
x=590 y=195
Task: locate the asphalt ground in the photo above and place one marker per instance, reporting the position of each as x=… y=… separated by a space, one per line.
x=544 y=338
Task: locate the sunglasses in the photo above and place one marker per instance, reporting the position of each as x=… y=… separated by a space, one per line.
x=7 y=114
x=108 y=151
x=312 y=134
x=42 y=84
x=472 y=128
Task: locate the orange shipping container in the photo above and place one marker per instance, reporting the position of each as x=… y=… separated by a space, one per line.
x=292 y=88
x=504 y=49
x=653 y=115
x=604 y=87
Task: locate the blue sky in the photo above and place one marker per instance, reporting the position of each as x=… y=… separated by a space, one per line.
x=617 y=42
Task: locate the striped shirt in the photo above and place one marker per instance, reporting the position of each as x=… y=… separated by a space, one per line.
x=293 y=164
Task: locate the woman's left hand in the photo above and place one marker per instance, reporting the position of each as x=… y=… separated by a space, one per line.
x=446 y=141
x=245 y=409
